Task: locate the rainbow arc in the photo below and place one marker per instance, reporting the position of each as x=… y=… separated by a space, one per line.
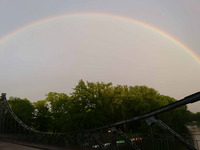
x=38 y=22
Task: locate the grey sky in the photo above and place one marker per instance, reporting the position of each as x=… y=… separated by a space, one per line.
x=54 y=55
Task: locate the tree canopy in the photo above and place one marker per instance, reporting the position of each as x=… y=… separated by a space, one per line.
x=23 y=109
x=92 y=105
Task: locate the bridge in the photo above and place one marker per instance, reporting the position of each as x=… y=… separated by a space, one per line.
x=110 y=136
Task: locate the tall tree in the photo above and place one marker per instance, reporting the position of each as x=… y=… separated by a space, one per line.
x=42 y=116
x=92 y=105
x=60 y=106
x=23 y=109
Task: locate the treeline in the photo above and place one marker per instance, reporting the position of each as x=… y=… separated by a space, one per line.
x=96 y=104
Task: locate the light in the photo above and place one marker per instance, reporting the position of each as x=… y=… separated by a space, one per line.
x=136 y=139
x=120 y=142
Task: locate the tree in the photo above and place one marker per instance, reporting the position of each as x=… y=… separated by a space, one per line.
x=42 y=116
x=97 y=104
x=92 y=104
x=196 y=117
x=60 y=108
x=23 y=109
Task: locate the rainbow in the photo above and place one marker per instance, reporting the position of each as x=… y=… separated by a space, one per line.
x=38 y=22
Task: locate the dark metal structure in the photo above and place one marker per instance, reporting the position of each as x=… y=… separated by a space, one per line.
x=14 y=130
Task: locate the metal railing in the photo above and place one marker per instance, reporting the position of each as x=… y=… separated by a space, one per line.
x=14 y=130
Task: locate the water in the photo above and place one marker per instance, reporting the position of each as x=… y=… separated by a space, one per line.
x=195 y=131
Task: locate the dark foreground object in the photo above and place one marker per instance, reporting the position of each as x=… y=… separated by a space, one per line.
x=12 y=146
x=107 y=137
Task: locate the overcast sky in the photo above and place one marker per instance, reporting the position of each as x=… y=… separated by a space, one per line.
x=40 y=55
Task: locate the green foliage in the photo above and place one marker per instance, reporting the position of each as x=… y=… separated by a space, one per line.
x=42 y=118
x=60 y=107
x=97 y=104
x=23 y=109
x=196 y=117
